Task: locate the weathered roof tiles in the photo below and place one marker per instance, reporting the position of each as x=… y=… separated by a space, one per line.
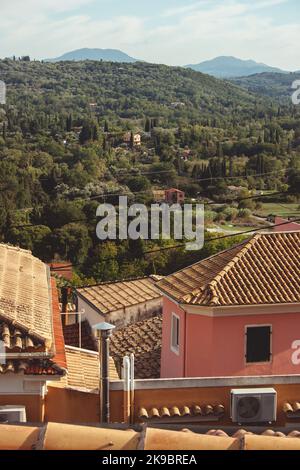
x=24 y=292
x=262 y=270
x=143 y=339
x=111 y=296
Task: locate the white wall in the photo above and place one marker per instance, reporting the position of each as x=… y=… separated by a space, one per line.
x=121 y=317
x=18 y=384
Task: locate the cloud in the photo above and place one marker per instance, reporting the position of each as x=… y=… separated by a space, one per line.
x=184 y=9
x=36 y=7
x=230 y=27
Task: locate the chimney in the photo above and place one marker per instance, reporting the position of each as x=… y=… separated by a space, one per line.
x=105 y=331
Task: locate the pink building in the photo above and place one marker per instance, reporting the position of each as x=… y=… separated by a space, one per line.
x=174 y=196
x=236 y=313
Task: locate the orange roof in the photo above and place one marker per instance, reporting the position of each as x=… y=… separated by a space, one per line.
x=262 y=270
x=59 y=342
x=185 y=413
x=143 y=339
x=83 y=370
x=29 y=315
x=174 y=190
x=24 y=292
x=110 y=296
x=60 y=436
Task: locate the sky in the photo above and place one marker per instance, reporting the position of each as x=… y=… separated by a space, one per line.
x=173 y=32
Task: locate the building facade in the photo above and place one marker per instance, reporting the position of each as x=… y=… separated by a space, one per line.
x=174 y=196
x=236 y=313
x=120 y=303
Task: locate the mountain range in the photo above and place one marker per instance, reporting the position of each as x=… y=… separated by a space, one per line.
x=229 y=67
x=108 y=55
x=225 y=67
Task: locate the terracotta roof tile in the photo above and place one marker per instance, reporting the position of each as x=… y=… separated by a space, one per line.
x=143 y=339
x=111 y=296
x=262 y=270
x=292 y=410
x=189 y=412
x=18 y=340
x=83 y=370
x=29 y=315
x=60 y=436
x=31 y=367
x=59 y=343
x=24 y=292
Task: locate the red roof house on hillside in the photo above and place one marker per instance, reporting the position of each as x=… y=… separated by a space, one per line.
x=174 y=196
x=236 y=313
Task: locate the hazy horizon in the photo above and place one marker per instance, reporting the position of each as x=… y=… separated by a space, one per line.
x=173 y=32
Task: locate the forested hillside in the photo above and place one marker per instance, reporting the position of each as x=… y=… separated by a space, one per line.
x=67 y=143
x=124 y=91
x=274 y=85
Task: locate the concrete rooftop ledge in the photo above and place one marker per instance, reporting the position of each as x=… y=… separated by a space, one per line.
x=205 y=382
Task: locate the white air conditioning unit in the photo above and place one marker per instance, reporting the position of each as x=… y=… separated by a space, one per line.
x=12 y=414
x=253 y=405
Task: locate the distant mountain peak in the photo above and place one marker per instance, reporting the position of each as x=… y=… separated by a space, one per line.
x=230 y=67
x=108 y=55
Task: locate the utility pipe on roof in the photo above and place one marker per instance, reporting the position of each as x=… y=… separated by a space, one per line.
x=104 y=332
x=132 y=388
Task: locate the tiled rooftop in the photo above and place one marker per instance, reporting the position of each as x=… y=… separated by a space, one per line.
x=25 y=293
x=185 y=413
x=59 y=343
x=262 y=270
x=60 y=436
x=83 y=370
x=111 y=296
x=18 y=340
x=31 y=367
x=143 y=339
x=292 y=410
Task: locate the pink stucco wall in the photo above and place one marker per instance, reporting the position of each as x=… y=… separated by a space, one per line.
x=215 y=347
x=172 y=365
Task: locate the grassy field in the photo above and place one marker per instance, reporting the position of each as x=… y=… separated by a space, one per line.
x=284 y=209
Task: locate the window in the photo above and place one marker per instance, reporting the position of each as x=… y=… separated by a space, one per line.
x=258 y=344
x=175 y=334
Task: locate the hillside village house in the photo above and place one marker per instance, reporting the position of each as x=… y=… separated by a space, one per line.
x=137 y=140
x=170 y=196
x=236 y=313
x=174 y=196
x=159 y=195
x=120 y=302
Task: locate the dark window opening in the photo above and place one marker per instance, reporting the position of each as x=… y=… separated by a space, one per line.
x=258 y=341
x=175 y=332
